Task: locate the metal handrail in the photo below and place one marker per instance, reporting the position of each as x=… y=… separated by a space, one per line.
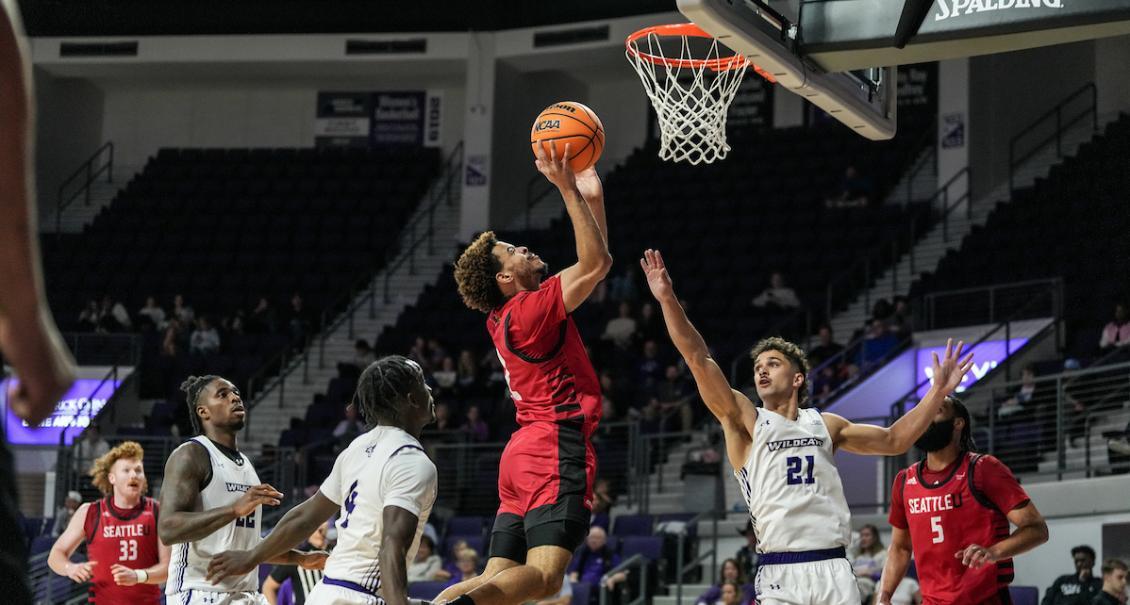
x=928 y=303
x=85 y=169
x=681 y=567
x=1060 y=127
x=441 y=190
x=928 y=143
x=634 y=561
x=534 y=194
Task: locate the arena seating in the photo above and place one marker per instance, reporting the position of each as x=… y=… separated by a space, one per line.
x=225 y=227
x=1030 y=238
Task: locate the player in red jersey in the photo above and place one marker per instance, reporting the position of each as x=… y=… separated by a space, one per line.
x=125 y=559
x=547 y=471
x=953 y=510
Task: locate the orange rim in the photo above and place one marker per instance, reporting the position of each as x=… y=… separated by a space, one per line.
x=682 y=29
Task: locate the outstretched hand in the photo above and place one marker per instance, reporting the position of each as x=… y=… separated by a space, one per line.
x=951 y=370
x=658 y=280
x=556 y=169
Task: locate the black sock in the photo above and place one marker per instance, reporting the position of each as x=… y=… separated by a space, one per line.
x=462 y=600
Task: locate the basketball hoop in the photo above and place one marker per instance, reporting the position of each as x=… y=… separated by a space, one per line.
x=692 y=92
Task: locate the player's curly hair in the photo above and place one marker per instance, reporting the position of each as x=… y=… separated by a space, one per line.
x=100 y=469
x=475 y=271
x=795 y=355
x=192 y=386
x=384 y=387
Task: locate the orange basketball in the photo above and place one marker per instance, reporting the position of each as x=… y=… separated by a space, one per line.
x=570 y=123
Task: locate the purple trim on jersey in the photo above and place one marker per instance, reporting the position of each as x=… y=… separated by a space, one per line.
x=404 y=447
x=350 y=585
x=183 y=566
x=804 y=556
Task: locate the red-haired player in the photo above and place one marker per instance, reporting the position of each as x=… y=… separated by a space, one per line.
x=953 y=510
x=126 y=560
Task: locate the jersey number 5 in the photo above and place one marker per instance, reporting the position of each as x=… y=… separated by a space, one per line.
x=936 y=527
x=797 y=472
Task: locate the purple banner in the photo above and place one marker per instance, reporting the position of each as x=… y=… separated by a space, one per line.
x=986 y=356
x=74 y=412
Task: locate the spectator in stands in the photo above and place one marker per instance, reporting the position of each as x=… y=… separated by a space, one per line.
x=732 y=594
x=778 y=296
x=466 y=565
x=172 y=344
x=650 y=417
x=856 y=190
x=602 y=497
x=182 y=310
x=349 y=428
x=877 y=343
x=495 y=381
x=622 y=329
x=235 y=324
x=467 y=374
x=436 y=353
x=747 y=555
x=363 y=354
x=153 y=313
x=1116 y=334
x=205 y=339
x=563 y=596
x=112 y=316
x=867 y=559
x=88 y=318
x=443 y=418
x=1114 y=583
x=1025 y=398
x=91 y=447
x=649 y=370
x=451 y=568
x=445 y=378
x=476 y=427
x=298 y=321
x=302 y=581
x=262 y=318
x=824 y=383
x=827 y=349
x=622 y=288
x=731 y=574
x=424 y=567
x=418 y=352
x=64 y=513
x=908 y=592
x=594 y=559
x=901 y=320
x=1079 y=588
x=650 y=326
x=675 y=394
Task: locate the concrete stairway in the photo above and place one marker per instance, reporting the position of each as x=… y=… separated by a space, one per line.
x=933 y=246
x=78 y=215
x=272 y=414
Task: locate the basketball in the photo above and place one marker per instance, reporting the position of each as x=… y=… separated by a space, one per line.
x=573 y=124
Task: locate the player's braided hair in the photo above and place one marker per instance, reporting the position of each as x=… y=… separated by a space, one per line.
x=384 y=387
x=795 y=355
x=966 y=442
x=475 y=271
x=192 y=386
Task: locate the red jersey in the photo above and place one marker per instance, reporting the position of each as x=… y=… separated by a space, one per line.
x=946 y=511
x=125 y=536
x=547 y=369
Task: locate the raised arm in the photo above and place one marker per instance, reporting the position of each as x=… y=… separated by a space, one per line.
x=184 y=477
x=296 y=525
x=732 y=409
x=897 y=438
x=28 y=336
x=590 y=233
x=894 y=570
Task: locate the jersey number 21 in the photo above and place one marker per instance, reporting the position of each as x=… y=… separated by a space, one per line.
x=800 y=470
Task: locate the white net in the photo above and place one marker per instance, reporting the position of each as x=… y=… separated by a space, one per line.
x=691 y=93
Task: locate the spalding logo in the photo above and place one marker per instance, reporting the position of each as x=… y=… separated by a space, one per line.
x=568 y=108
x=547 y=124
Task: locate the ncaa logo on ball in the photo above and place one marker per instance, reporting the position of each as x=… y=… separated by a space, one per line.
x=547 y=125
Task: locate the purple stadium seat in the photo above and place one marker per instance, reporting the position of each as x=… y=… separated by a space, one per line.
x=1024 y=595
x=582 y=593
x=426 y=590
x=633 y=525
x=650 y=547
x=465 y=526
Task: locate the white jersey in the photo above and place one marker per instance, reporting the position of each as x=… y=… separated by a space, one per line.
x=189 y=563
x=383 y=467
x=791 y=485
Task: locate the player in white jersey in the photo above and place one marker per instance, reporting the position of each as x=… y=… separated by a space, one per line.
x=384 y=486
x=782 y=455
x=211 y=502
